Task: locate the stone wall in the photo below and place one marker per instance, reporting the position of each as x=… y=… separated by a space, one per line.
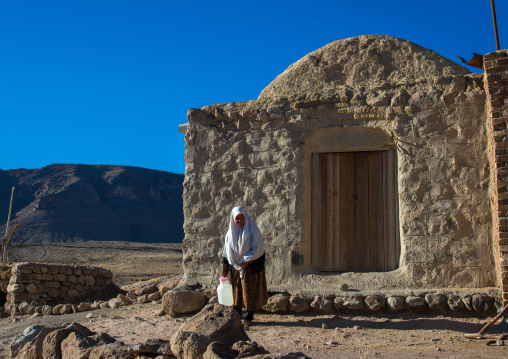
x=51 y=283
x=257 y=154
x=496 y=80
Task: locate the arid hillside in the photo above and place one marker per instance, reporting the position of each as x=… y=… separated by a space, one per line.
x=72 y=202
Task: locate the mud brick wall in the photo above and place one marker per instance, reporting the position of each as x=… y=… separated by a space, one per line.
x=496 y=86
x=48 y=283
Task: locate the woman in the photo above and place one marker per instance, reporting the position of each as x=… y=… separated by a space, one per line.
x=244 y=259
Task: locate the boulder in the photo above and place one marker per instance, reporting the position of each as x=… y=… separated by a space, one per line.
x=30 y=334
x=436 y=301
x=131 y=296
x=154 y=296
x=47 y=309
x=153 y=347
x=375 y=302
x=57 y=309
x=218 y=322
x=249 y=348
x=321 y=303
x=481 y=302
x=23 y=307
x=66 y=309
x=169 y=284
x=277 y=303
x=298 y=304
x=189 y=345
x=83 y=307
x=455 y=303
x=141 y=288
x=338 y=302
x=111 y=351
x=218 y=350
x=124 y=299
x=415 y=302
x=51 y=346
x=143 y=298
x=353 y=303
x=183 y=301
x=467 y=302
x=78 y=346
x=114 y=303
x=395 y=303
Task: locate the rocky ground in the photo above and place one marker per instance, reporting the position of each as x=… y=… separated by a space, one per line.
x=346 y=335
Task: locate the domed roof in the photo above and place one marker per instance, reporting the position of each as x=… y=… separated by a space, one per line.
x=363 y=61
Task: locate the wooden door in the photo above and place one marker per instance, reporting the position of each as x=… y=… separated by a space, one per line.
x=353 y=212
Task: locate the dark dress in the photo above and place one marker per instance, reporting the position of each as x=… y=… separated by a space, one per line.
x=250 y=292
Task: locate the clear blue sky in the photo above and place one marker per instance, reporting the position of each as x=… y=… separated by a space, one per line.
x=108 y=82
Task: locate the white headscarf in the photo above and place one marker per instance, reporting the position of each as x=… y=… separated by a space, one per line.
x=242 y=244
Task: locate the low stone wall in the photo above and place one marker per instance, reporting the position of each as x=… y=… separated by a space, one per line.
x=433 y=302
x=52 y=283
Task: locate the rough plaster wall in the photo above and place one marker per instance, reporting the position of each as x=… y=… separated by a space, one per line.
x=257 y=154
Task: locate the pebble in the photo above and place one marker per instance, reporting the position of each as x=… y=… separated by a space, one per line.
x=324 y=326
x=356 y=327
x=89 y=315
x=331 y=342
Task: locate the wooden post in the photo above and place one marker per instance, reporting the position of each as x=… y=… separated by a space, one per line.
x=6 y=240
x=493 y=7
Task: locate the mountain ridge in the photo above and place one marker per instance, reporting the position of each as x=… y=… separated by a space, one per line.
x=76 y=202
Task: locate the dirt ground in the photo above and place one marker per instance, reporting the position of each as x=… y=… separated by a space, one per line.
x=348 y=336
x=403 y=335
x=129 y=262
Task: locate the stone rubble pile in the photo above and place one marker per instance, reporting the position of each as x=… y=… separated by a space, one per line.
x=216 y=332
x=77 y=341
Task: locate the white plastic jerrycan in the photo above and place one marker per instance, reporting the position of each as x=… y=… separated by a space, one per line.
x=225 y=291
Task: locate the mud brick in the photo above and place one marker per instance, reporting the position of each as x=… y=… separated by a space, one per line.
x=493 y=78
x=495 y=55
x=489 y=63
